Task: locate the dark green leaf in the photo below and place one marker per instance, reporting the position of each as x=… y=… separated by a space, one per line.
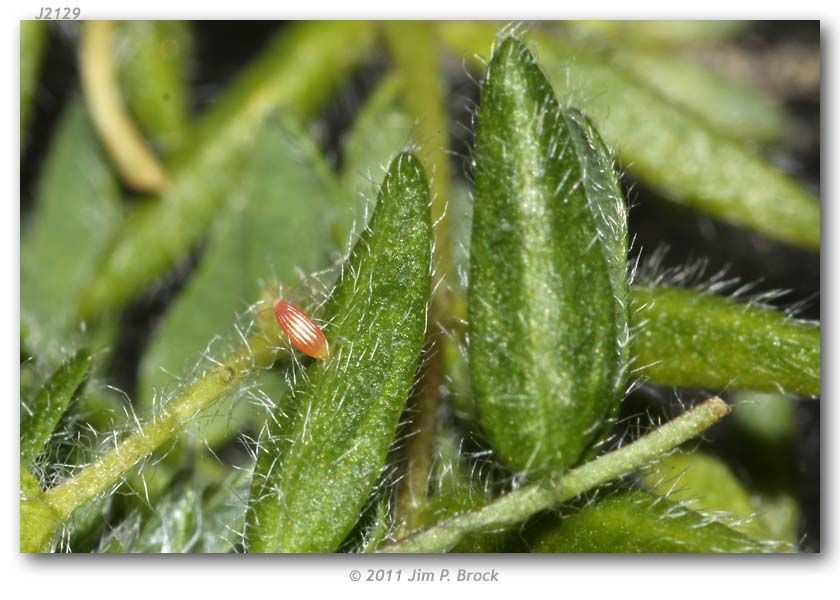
x=548 y=290
x=314 y=473
x=39 y=419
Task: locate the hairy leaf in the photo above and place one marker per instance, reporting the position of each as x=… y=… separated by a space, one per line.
x=523 y=503
x=636 y=521
x=39 y=419
x=705 y=484
x=695 y=339
x=175 y=524
x=314 y=474
x=548 y=290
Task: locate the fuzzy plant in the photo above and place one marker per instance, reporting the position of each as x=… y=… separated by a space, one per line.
x=364 y=337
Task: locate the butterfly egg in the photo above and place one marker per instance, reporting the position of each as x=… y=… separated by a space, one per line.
x=304 y=334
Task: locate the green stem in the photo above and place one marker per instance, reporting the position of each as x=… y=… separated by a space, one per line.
x=515 y=507
x=258 y=353
x=415 y=50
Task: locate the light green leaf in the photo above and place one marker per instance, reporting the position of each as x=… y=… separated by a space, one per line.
x=77 y=207
x=695 y=339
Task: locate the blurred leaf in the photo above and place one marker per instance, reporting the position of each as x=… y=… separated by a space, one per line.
x=223 y=521
x=687 y=338
x=380 y=131
x=296 y=72
x=636 y=521
x=154 y=70
x=33 y=38
x=416 y=51
x=548 y=322
x=662 y=34
x=763 y=438
x=311 y=481
x=175 y=524
x=734 y=109
x=39 y=419
x=273 y=230
x=77 y=207
x=665 y=146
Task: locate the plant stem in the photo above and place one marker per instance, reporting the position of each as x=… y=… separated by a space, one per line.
x=259 y=352
x=415 y=49
x=518 y=505
x=138 y=166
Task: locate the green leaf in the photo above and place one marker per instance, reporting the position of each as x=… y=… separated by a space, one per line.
x=296 y=72
x=33 y=37
x=223 y=519
x=175 y=524
x=660 y=34
x=40 y=418
x=663 y=144
x=636 y=521
x=38 y=521
x=273 y=230
x=694 y=339
x=548 y=290
x=312 y=479
x=763 y=440
x=154 y=59
x=705 y=484
x=733 y=109
x=77 y=207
